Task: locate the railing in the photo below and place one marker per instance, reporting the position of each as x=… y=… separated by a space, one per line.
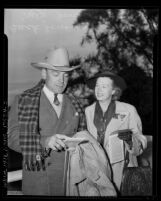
x=14 y=176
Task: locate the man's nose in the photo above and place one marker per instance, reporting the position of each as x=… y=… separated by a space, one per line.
x=61 y=78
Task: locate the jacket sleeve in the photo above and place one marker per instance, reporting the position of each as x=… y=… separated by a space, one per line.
x=138 y=139
x=13 y=127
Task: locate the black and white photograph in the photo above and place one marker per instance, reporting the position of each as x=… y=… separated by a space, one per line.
x=80 y=101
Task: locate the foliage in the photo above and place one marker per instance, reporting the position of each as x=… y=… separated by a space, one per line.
x=125 y=42
x=123 y=36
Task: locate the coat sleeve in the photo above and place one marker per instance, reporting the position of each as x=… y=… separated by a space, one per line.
x=13 y=127
x=139 y=140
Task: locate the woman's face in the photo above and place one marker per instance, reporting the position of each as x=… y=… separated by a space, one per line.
x=104 y=89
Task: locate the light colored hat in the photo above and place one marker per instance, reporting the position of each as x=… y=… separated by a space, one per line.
x=57 y=59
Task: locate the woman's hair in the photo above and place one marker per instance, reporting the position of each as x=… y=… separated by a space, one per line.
x=117 y=94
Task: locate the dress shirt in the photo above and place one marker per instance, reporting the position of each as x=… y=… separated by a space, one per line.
x=50 y=95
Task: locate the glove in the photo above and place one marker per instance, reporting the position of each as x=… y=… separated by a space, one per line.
x=126 y=135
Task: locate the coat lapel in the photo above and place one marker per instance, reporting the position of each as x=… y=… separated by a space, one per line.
x=90 y=118
x=115 y=123
x=120 y=117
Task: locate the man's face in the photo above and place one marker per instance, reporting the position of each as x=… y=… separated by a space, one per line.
x=104 y=89
x=56 y=81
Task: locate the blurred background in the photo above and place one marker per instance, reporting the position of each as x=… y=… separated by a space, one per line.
x=121 y=40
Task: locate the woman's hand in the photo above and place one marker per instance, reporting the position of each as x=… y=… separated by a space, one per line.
x=126 y=135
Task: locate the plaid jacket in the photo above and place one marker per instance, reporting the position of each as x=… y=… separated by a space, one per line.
x=28 y=116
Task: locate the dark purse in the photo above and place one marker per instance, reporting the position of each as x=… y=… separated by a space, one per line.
x=136 y=181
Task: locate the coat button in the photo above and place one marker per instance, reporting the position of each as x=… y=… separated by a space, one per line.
x=38 y=158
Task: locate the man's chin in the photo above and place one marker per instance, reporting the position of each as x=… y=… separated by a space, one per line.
x=60 y=91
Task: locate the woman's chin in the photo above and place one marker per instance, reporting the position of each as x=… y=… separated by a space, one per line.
x=101 y=99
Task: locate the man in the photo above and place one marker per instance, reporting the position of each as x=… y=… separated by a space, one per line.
x=39 y=121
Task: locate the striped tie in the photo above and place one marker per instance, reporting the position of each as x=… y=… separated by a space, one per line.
x=56 y=101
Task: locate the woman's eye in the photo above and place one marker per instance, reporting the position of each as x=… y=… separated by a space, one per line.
x=103 y=86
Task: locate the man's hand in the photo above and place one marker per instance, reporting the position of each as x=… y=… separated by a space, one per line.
x=56 y=142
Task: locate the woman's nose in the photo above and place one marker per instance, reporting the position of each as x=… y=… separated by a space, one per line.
x=99 y=89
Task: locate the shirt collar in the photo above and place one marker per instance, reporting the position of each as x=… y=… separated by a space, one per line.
x=50 y=94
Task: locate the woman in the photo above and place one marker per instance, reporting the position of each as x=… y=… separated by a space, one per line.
x=108 y=118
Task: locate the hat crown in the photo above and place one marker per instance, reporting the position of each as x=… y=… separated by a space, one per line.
x=58 y=57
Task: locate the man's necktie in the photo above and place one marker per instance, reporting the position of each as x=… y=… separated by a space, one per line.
x=56 y=101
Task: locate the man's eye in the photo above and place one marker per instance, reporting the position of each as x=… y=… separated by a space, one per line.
x=55 y=73
x=66 y=75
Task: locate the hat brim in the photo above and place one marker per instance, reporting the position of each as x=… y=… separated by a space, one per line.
x=41 y=65
x=119 y=81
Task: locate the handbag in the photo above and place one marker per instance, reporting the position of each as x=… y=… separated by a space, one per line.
x=136 y=181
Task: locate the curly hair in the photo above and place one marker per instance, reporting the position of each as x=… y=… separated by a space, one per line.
x=117 y=94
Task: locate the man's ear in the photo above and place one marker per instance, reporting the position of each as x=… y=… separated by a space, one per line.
x=43 y=73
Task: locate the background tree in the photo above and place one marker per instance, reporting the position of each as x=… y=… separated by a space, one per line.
x=125 y=42
x=123 y=36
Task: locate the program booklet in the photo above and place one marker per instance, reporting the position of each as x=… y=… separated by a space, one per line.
x=116 y=148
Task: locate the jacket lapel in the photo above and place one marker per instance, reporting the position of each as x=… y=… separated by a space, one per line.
x=48 y=105
x=90 y=125
x=120 y=117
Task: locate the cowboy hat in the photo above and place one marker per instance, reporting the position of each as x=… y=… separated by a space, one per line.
x=57 y=59
x=118 y=81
